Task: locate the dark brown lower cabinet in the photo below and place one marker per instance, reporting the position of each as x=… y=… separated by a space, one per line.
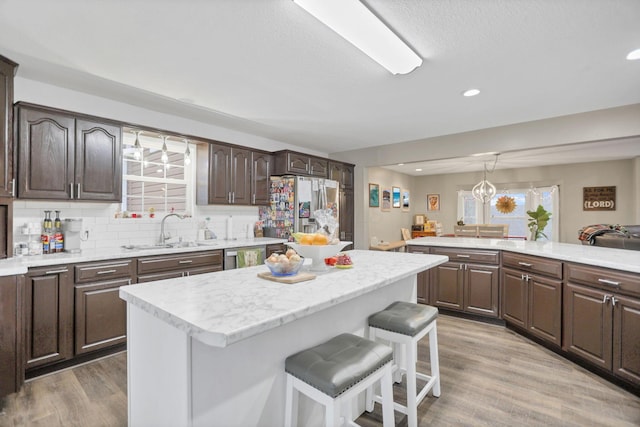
x=100 y=315
x=603 y=328
x=423 y=277
x=534 y=303
x=172 y=266
x=471 y=288
x=11 y=372
x=275 y=248
x=48 y=316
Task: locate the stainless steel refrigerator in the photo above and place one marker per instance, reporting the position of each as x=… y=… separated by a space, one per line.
x=293 y=201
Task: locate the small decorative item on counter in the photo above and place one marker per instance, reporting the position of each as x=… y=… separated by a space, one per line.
x=152 y=212
x=460 y=222
x=58 y=237
x=343 y=261
x=46 y=236
x=287 y=264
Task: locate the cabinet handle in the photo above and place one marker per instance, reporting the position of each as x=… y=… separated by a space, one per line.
x=609 y=282
x=71 y=187
x=185 y=261
x=606 y=298
x=63 y=270
x=233 y=197
x=13 y=187
x=525 y=264
x=229 y=197
x=613 y=301
x=463 y=256
x=78 y=192
x=253 y=201
x=129 y=281
x=106 y=271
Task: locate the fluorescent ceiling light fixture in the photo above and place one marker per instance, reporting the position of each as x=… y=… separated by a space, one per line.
x=633 y=55
x=359 y=26
x=471 y=92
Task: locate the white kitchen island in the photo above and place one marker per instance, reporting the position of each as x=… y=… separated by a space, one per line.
x=209 y=350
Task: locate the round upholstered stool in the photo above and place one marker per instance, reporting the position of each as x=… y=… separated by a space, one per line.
x=404 y=324
x=334 y=372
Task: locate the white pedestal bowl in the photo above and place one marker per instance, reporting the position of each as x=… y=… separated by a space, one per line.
x=317 y=253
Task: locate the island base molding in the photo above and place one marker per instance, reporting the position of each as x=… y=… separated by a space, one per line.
x=174 y=379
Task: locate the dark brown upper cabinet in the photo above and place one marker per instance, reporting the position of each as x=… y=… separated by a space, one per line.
x=290 y=162
x=229 y=175
x=343 y=173
x=67 y=157
x=223 y=175
x=261 y=169
x=8 y=70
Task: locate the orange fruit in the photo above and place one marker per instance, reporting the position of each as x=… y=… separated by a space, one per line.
x=306 y=239
x=320 y=239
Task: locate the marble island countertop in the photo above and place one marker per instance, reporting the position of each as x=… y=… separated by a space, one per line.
x=222 y=308
x=20 y=265
x=619 y=259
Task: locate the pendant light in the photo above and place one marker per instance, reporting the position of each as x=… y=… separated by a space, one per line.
x=165 y=156
x=137 y=148
x=484 y=191
x=187 y=153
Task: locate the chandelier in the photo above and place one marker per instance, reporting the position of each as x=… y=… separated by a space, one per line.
x=484 y=191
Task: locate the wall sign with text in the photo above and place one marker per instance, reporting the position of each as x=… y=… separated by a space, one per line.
x=599 y=198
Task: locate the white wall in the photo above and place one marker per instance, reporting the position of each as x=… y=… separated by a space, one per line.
x=386 y=225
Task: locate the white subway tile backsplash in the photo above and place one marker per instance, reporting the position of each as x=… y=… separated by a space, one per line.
x=106 y=231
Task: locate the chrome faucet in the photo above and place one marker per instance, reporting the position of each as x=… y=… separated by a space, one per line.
x=163 y=237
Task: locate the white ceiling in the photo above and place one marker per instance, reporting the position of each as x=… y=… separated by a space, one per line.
x=268 y=68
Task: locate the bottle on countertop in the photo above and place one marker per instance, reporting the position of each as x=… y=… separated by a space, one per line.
x=58 y=236
x=46 y=236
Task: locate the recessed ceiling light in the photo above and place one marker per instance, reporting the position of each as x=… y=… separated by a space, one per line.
x=471 y=92
x=633 y=55
x=488 y=153
x=400 y=164
x=419 y=170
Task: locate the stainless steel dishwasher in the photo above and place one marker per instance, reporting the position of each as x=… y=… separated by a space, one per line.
x=231 y=255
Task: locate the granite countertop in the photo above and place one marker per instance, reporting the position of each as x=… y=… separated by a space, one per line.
x=19 y=265
x=227 y=306
x=619 y=259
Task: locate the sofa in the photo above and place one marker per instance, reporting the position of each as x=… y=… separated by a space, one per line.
x=624 y=237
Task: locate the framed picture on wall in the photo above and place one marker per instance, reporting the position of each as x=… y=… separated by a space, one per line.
x=396 y=197
x=405 y=200
x=433 y=202
x=386 y=199
x=374 y=195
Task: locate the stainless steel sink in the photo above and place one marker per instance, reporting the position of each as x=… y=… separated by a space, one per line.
x=166 y=246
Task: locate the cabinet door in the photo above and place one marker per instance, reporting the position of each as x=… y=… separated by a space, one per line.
x=545 y=309
x=318 y=167
x=219 y=178
x=341 y=173
x=49 y=316
x=46 y=154
x=6 y=227
x=98 y=166
x=587 y=325
x=297 y=163
x=345 y=217
x=261 y=168
x=626 y=338
x=275 y=248
x=7 y=72
x=240 y=177
x=481 y=289
x=100 y=315
x=514 y=297
x=143 y=278
x=447 y=285
x=9 y=327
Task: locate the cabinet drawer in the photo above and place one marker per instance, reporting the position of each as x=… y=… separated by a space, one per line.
x=603 y=278
x=179 y=262
x=466 y=255
x=97 y=271
x=533 y=264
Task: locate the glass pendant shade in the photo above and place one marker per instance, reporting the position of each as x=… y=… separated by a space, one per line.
x=187 y=154
x=137 y=148
x=164 y=157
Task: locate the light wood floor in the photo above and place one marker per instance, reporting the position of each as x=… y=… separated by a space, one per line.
x=490 y=377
